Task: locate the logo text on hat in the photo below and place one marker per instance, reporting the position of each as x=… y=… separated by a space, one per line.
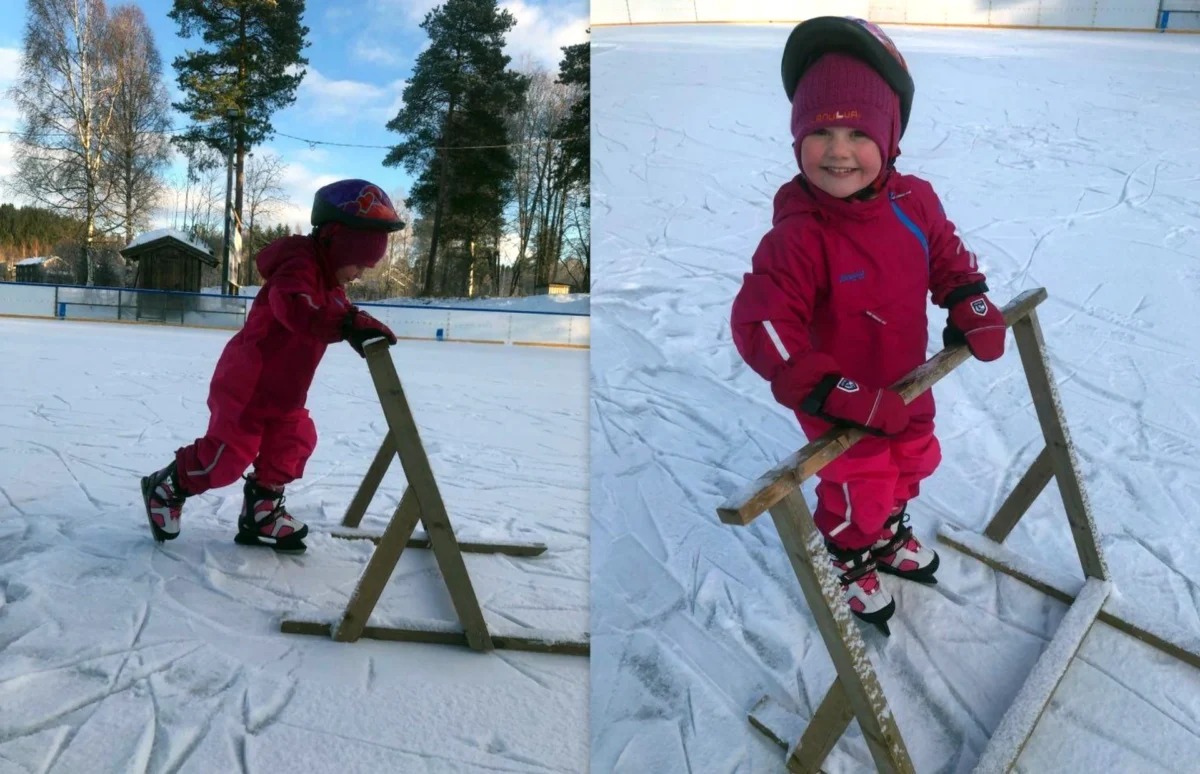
x=837 y=116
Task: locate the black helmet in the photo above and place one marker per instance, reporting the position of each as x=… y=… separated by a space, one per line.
x=812 y=39
x=356 y=203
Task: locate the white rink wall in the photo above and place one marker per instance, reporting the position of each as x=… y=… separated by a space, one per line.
x=1090 y=14
x=431 y=322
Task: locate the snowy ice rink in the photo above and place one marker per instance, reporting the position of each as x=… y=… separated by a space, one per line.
x=1069 y=161
x=120 y=655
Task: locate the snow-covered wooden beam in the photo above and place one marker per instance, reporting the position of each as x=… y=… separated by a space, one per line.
x=1117 y=612
x=768 y=489
x=1028 y=333
x=447 y=633
x=420 y=540
x=1018 y=723
x=860 y=687
x=1021 y=497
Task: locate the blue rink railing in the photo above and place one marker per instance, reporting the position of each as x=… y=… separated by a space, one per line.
x=206 y=310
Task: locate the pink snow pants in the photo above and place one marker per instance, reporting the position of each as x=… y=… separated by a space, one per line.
x=277 y=445
x=860 y=489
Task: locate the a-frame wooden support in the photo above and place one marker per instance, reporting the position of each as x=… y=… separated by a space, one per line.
x=856 y=692
x=421 y=501
x=370 y=485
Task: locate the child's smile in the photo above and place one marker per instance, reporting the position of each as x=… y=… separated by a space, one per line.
x=839 y=160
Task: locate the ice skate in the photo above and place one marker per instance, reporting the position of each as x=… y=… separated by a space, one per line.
x=265 y=522
x=899 y=553
x=865 y=595
x=164 y=502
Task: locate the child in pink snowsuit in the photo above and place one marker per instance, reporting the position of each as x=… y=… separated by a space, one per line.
x=260 y=385
x=834 y=312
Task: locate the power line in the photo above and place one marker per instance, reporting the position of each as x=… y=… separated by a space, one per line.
x=436 y=147
x=313 y=143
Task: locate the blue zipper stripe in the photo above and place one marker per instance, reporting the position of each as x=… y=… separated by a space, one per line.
x=913 y=228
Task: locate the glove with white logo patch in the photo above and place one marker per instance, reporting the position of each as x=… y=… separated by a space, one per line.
x=976 y=322
x=844 y=402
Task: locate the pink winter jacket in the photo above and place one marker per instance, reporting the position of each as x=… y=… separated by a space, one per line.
x=268 y=366
x=840 y=287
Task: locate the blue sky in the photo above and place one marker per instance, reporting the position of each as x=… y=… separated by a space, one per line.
x=361 y=52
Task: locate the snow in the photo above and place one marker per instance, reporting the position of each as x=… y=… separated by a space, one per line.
x=38 y=261
x=122 y=655
x=1019 y=722
x=1045 y=157
x=159 y=233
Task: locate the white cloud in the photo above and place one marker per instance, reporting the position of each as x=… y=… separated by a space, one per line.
x=415 y=10
x=321 y=99
x=10 y=68
x=377 y=52
x=542 y=31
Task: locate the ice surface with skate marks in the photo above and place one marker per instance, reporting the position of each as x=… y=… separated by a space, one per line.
x=120 y=654
x=1046 y=158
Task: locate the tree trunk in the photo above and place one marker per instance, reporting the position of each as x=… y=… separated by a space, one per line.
x=443 y=178
x=442 y=285
x=240 y=171
x=427 y=287
x=128 y=196
x=516 y=275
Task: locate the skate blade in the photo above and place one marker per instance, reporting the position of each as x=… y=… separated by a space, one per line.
x=252 y=540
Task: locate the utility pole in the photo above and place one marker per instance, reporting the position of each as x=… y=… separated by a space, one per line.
x=233 y=127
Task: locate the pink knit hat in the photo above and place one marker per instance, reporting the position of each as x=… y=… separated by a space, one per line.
x=840 y=90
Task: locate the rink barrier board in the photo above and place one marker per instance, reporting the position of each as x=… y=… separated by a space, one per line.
x=550 y=345
x=215 y=312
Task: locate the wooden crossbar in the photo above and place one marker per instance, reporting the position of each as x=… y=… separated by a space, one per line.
x=759 y=495
x=856 y=691
x=421 y=502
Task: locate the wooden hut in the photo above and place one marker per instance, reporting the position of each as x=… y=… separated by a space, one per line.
x=43 y=269
x=168 y=260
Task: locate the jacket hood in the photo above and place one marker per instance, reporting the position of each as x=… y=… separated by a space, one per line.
x=279 y=252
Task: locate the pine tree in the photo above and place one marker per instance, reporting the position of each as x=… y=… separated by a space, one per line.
x=460 y=90
x=252 y=65
x=575 y=70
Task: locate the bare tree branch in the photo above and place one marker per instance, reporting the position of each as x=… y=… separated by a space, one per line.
x=66 y=97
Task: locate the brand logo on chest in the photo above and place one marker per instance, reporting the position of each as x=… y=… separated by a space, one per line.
x=853 y=276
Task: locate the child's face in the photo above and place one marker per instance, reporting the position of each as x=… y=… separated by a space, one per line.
x=348 y=274
x=839 y=160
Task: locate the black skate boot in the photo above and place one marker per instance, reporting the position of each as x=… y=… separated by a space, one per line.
x=899 y=553
x=265 y=522
x=164 y=502
x=864 y=594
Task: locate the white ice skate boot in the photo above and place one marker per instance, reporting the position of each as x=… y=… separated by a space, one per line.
x=899 y=553
x=865 y=595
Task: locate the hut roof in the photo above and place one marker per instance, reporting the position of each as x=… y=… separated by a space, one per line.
x=168 y=237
